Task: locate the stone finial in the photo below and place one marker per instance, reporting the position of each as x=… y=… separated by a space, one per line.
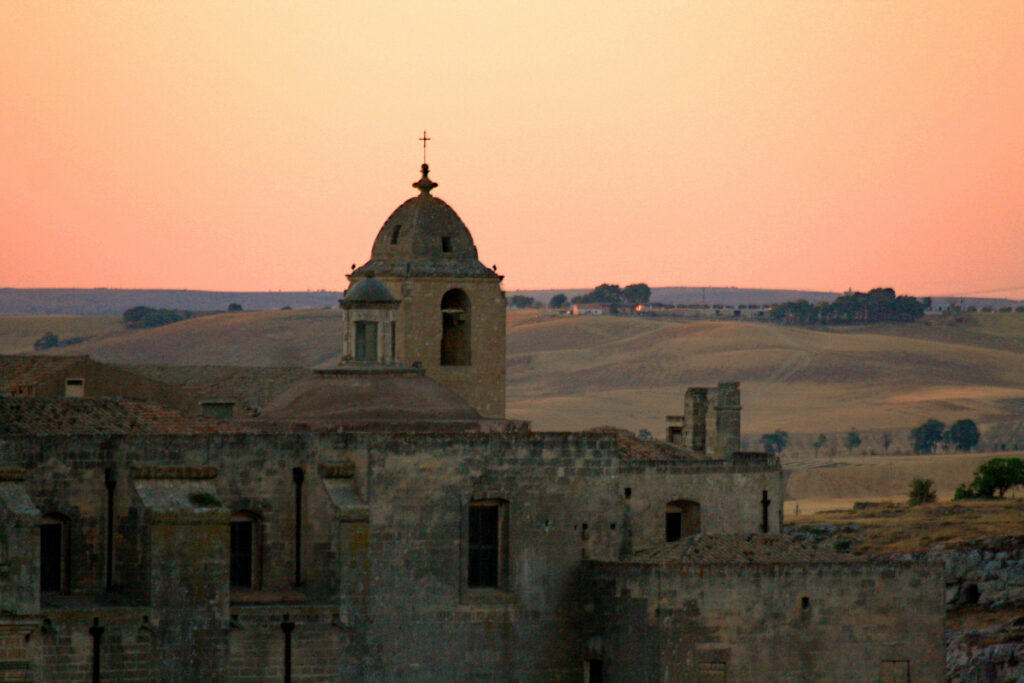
x=425 y=184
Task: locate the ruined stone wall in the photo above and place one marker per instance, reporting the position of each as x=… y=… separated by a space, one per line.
x=482 y=383
x=813 y=622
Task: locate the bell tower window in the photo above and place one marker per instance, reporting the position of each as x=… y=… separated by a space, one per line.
x=455 y=329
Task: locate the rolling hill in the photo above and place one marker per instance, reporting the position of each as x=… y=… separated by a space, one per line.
x=569 y=373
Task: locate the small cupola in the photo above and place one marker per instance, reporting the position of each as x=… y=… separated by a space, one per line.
x=369 y=313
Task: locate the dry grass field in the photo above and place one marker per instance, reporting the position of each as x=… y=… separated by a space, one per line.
x=817 y=484
x=903 y=528
x=570 y=373
x=575 y=373
x=297 y=338
x=18 y=333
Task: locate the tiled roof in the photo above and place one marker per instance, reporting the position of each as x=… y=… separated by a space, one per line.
x=41 y=416
x=252 y=386
x=18 y=371
x=738 y=549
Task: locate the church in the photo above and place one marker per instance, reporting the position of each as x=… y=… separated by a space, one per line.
x=380 y=519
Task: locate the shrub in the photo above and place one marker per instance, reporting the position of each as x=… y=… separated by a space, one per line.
x=993 y=478
x=921 y=491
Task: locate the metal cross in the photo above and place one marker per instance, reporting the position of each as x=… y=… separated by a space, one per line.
x=424 y=140
x=765 y=502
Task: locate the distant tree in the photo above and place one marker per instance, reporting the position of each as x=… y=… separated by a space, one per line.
x=602 y=294
x=47 y=341
x=921 y=491
x=775 y=442
x=143 y=317
x=964 y=435
x=852 y=440
x=993 y=478
x=520 y=301
x=819 y=442
x=234 y=308
x=638 y=293
x=558 y=301
x=926 y=436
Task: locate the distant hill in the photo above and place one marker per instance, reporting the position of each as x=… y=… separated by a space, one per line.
x=116 y=301
x=568 y=373
x=734 y=296
x=103 y=301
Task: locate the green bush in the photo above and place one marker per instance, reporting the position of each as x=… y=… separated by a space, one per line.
x=921 y=491
x=993 y=478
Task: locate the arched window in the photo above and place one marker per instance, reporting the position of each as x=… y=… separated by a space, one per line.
x=53 y=554
x=682 y=518
x=455 y=328
x=245 y=545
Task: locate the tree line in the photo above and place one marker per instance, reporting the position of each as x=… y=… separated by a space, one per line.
x=631 y=295
x=962 y=435
x=878 y=305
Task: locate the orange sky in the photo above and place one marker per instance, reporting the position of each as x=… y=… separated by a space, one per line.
x=253 y=146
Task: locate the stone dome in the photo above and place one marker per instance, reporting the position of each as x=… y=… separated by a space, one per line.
x=424 y=236
x=368 y=291
x=337 y=398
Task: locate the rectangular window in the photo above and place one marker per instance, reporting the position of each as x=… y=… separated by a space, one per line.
x=241 y=554
x=673 y=526
x=222 y=410
x=488 y=545
x=366 y=341
x=594 y=672
x=74 y=388
x=51 y=557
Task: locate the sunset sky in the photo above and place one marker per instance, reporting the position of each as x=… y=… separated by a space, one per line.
x=825 y=144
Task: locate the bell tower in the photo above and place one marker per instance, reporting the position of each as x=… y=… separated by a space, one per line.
x=451 y=314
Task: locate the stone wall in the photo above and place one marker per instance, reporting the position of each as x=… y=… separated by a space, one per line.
x=813 y=622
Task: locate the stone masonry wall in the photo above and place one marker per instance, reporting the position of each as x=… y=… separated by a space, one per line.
x=814 y=622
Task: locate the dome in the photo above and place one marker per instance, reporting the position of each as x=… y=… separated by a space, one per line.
x=424 y=236
x=337 y=398
x=368 y=291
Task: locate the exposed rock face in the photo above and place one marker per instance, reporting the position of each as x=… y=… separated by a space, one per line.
x=990 y=574
x=990 y=654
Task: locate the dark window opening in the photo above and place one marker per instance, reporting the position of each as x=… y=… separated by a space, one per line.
x=446 y=244
x=487 y=545
x=222 y=410
x=971 y=594
x=627 y=492
x=455 y=330
x=682 y=518
x=366 y=341
x=51 y=556
x=673 y=526
x=805 y=602
x=595 y=671
x=242 y=540
x=394 y=342
x=394 y=234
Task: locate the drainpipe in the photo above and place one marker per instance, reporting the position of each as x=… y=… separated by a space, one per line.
x=287 y=626
x=111 y=484
x=298 y=476
x=96 y=631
